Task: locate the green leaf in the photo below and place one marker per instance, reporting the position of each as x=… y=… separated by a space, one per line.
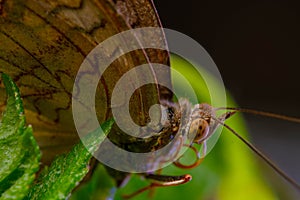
x=68 y=170
x=19 y=152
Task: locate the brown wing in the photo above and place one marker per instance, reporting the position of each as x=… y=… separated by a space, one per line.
x=43 y=43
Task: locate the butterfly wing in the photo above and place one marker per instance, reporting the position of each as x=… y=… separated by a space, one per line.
x=42 y=45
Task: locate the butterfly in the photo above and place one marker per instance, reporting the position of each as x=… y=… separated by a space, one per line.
x=42 y=45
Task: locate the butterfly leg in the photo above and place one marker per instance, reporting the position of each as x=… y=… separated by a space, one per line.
x=198 y=161
x=160 y=181
x=152 y=190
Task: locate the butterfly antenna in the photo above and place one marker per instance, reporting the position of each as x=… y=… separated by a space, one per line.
x=260 y=154
x=262 y=113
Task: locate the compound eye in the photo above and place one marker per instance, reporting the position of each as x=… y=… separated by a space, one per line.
x=199 y=130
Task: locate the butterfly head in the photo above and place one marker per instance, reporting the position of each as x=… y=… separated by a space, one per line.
x=203 y=122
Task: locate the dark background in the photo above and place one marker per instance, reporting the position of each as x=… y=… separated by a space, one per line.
x=256 y=46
